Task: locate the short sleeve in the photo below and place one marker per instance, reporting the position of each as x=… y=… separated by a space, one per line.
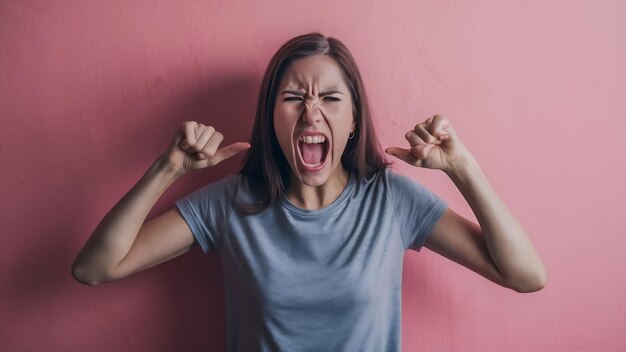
x=417 y=209
x=207 y=209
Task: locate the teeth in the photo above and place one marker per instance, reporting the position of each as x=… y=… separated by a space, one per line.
x=313 y=139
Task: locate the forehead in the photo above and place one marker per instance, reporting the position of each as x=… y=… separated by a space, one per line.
x=318 y=71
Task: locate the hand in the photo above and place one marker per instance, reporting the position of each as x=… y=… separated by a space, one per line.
x=194 y=146
x=434 y=145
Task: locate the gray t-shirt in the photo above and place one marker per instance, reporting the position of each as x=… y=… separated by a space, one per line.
x=314 y=280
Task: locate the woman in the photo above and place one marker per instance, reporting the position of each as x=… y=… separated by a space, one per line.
x=312 y=231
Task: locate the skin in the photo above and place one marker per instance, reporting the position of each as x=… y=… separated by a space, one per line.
x=302 y=106
x=499 y=249
x=124 y=243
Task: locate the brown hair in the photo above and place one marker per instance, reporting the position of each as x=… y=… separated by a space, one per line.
x=265 y=165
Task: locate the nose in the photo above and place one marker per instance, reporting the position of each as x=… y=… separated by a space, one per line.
x=312 y=112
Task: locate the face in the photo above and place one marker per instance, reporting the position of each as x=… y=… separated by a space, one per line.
x=313 y=118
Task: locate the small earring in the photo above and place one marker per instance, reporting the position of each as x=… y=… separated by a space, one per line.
x=351 y=135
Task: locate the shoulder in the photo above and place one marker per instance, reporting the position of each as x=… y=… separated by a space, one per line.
x=392 y=178
x=384 y=178
x=400 y=186
x=218 y=190
x=247 y=191
x=387 y=181
x=227 y=183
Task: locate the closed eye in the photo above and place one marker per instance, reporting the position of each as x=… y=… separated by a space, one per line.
x=325 y=98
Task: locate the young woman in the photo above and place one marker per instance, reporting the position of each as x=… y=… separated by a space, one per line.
x=312 y=231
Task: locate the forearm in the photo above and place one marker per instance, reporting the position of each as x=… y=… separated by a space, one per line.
x=509 y=246
x=114 y=236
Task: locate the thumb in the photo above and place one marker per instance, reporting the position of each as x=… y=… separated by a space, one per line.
x=228 y=152
x=401 y=153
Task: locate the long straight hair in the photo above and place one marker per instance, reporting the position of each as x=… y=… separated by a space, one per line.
x=265 y=165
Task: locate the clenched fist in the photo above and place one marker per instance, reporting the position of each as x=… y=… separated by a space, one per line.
x=195 y=146
x=434 y=145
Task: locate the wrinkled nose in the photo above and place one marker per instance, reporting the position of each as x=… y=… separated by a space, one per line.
x=312 y=112
x=312 y=103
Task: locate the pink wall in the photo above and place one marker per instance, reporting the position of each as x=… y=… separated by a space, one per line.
x=90 y=95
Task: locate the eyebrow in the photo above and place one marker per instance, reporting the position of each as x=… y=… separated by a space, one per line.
x=295 y=92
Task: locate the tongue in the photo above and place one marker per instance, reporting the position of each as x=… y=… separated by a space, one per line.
x=312 y=153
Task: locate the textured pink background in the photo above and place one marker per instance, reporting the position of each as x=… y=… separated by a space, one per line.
x=91 y=93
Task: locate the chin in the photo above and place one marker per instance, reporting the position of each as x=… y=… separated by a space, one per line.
x=314 y=180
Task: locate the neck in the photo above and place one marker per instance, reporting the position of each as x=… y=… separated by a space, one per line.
x=317 y=197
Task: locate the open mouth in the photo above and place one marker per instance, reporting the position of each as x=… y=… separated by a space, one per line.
x=313 y=151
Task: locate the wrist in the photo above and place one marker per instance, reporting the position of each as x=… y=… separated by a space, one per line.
x=462 y=168
x=165 y=169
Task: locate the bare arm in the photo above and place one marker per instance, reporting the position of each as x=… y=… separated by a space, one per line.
x=113 y=238
x=122 y=244
x=498 y=249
